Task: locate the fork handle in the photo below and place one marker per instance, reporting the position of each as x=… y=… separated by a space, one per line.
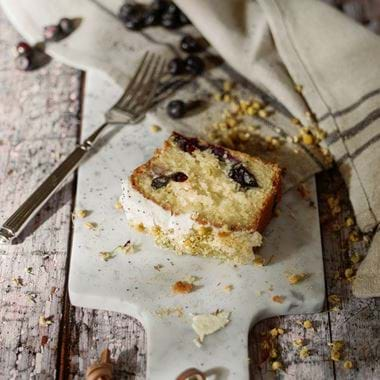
x=15 y=223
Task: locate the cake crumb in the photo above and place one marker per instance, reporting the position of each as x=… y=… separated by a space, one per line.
x=118 y=205
x=106 y=256
x=18 y=281
x=273 y=353
x=158 y=267
x=228 y=288
x=155 y=128
x=335 y=356
x=45 y=321
x=80 y=213
x=207 y=324
x=348 y=364
x=276 y=365
x=334 y=205
x=197 y=342
x=258 y=261
x=334 y=299
x=298 y=343
x=278 y=299
x=140 y=227
x=182 y=287
x=349 y=273
x=296 y=278
x=308 y=324
x=276 y=331
x=91 y=225
x=354 y=236
x=170 y=311
x=349 y=222
x=298 y=88
x=355 y=258
x=337 y=345
x=128 y=247
x=227 y=86
x=304 y=353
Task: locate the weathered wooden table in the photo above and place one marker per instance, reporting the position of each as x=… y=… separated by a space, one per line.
x=40 y=122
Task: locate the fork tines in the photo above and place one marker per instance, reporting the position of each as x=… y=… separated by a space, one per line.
x=140 y=91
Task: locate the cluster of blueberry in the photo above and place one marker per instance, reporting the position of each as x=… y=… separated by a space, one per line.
x=28 y=57
x=159 y=12
x=193 y=65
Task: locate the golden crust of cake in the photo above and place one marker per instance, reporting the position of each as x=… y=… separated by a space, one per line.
x=209 y=186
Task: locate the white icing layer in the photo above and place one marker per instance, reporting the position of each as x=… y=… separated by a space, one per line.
x=138 y=209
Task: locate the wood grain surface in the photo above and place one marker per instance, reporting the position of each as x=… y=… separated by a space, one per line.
x=39 y=124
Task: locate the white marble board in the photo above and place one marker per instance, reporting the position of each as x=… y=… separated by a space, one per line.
x=130 y=284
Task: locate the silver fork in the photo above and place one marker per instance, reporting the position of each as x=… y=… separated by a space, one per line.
x=129 y=109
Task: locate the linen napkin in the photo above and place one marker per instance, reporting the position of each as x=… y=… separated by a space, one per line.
x=276 y=43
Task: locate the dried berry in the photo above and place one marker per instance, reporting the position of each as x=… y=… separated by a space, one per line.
x=159 y=6
x=176 y=66
x=183 y=18
x=179 y=177
x=190 y=45
x=194 y=65
x=219 y=152
x=242 y=176
x=159 y=182
x=151 y=18
x=23 y=62
x=176 y=109
x=171 y=20
x=185 y=144
x=66 y=25
x=23 y=48
x=52 y=33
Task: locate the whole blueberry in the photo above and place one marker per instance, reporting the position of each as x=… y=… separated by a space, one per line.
x=151 y=18
x=132 y=15
x=159 y=182
x=190 y=45
x=240 y=174
x=52 y=32
x=183 y=18
x=176 y=109
x=188 y=145
x=126 y=10
x=172 y=8
x=176 y=66
x=179 y=177
x=66 y=25
x=194 y=65
x=23 y=48
x=23 y=62
x=159 y=6
x=170 y=20
x=134 y=22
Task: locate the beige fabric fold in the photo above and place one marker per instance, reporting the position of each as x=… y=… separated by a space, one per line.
x=276 y=43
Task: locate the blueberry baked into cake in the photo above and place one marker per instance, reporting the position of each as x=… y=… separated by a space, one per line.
x=202 y=199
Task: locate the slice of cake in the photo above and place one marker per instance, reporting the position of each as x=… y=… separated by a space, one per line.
x=202 y=199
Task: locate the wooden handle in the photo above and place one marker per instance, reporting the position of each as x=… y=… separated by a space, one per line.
x=191 y=374
x=102 y=369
